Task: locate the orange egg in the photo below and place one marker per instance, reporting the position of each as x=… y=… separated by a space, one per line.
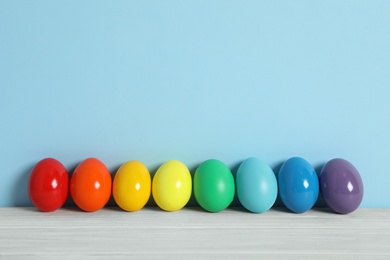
x=90 y=185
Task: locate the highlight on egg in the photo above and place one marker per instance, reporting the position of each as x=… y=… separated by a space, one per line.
x=48 y=185
x=132 y=186
x=341 y=186
x=90 y=185
x=214 y=186
x=298 y=185
x=172 y=186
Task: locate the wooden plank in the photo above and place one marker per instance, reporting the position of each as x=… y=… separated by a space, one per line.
x=193 y=233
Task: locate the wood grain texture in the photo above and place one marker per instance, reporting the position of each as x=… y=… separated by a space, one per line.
x=193 y=233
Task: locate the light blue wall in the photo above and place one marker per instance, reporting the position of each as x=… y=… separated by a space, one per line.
x=193 y=80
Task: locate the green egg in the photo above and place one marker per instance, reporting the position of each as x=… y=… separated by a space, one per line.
x=213 y=185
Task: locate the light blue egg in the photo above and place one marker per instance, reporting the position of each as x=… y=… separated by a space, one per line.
x=256 y=185
x=298 y=185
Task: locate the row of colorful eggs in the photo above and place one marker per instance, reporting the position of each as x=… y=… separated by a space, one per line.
x=213 y=185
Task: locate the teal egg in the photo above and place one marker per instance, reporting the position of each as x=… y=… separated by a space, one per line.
x=256 y=185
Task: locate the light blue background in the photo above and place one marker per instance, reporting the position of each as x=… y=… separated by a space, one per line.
x=194 y=80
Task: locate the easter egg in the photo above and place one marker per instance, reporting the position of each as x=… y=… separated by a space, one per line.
x=48 y=185
x=256 y=185
x=90 y=185
x=298 y=185
x=172 y=186
x=214 y=186
x=341 y=186
x=132 y=186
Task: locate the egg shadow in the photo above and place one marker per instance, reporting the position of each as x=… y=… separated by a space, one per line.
x=69 y=201
x=282 y=209
x=278 y=202
x=193 y=203
x=236 y=204
x=151 y=203
x=115 y=208
x=19 y=191
x=196 y=208
x=324 y=210
x=241 y=209
x=320 y=203
x=111 y=202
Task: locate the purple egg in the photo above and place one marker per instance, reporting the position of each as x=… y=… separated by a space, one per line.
x=341 y=186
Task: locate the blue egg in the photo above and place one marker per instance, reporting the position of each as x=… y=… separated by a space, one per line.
x=256 y=185
x=298 y=185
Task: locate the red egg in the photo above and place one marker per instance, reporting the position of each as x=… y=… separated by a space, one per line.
x=90 y=185
x=48 y=185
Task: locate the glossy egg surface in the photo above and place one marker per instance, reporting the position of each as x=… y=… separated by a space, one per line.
x=298 y=185
x=214 y=186
x=132 y=186
x=90 y=185
x=48 y=185
x=341 y=186
x=172 y=185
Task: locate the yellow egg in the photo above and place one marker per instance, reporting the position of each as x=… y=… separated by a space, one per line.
x=172 y=186
x=132 y=185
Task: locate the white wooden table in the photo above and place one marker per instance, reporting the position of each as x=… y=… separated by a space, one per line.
x=193 y=233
